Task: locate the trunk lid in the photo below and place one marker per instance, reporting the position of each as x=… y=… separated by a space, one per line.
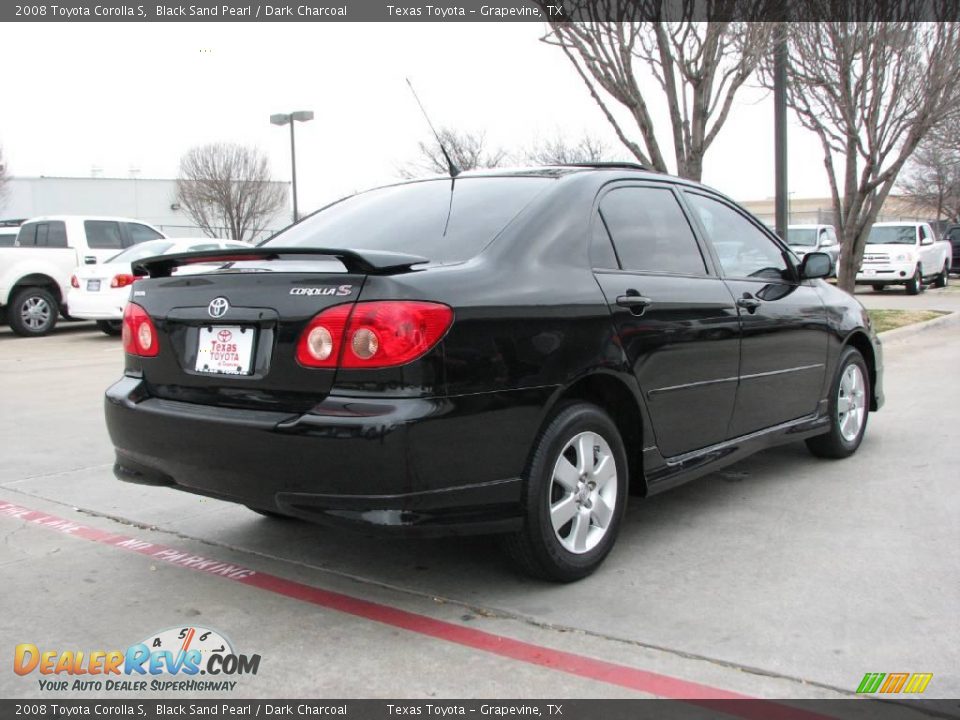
x=203 y=314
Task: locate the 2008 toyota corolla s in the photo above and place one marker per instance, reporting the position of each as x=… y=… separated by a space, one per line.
x=503 y=352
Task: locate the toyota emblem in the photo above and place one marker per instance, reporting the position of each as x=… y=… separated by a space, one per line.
x=218 y=307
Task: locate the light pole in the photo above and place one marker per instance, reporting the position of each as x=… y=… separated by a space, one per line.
x=291 y=118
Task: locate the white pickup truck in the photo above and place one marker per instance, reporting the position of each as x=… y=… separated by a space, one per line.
x=904 y=253
x=35 y=273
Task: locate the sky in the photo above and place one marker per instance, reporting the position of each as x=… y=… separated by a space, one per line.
x=132 y=97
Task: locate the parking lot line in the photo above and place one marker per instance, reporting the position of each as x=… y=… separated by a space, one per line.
x=571 y=663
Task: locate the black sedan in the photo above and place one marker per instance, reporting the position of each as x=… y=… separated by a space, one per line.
x=505 y=352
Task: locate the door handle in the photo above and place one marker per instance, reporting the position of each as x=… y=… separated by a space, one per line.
x=634 y=301
x=748 y=302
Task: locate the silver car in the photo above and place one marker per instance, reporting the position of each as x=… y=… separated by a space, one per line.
x=803 y=239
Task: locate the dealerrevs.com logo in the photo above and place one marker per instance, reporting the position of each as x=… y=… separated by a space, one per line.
x=172 y=660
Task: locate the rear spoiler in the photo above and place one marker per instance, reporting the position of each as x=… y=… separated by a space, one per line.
x=368 y=262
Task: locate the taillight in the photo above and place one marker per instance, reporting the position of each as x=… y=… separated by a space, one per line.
x=122 y=280
x=74 y=282
x=374 y=335
x=319 y=343
x=139 y=332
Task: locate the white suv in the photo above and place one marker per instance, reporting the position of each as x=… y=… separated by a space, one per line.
x=904 y=253
x=35 y=273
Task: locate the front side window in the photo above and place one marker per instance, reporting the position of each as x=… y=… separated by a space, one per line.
x=103 y=234
x=743 y=249
x=650 y=232
x=141 y=233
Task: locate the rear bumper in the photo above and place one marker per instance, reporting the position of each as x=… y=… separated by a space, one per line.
x=101 y=306
x=409 y=465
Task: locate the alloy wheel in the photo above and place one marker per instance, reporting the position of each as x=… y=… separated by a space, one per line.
x=583 y=492
x=851 y=402
x=35 y=313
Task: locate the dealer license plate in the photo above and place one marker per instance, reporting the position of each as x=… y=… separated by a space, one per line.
x=93 y=286
x=225 y=350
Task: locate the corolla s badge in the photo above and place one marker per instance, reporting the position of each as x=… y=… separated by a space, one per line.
x=218 y=307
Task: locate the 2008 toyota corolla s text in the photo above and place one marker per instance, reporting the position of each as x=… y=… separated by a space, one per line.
x=502 y=352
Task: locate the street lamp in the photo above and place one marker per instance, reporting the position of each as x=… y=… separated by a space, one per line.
x=291 y=118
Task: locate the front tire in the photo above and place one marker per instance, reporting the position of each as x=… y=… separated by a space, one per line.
x=574 y=496
x=943 y=278
x=849 y=408
x=915 y=284
x=33 y=312
x=879 y=287
x=110 y=327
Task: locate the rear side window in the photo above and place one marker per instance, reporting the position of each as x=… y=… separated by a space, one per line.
x=103 y=234
x=650 y=231
x=441 y=220
x=141 y=233
x=43 y=234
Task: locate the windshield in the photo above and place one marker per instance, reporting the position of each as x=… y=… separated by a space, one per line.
x=142 y=250
x=442 y=220
x=802 y=236
x=893 y=235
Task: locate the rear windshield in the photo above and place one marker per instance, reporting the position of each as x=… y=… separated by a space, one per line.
x=442 y=220
x=143 y=250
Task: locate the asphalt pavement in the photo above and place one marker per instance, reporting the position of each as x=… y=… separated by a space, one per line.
x=784 y=576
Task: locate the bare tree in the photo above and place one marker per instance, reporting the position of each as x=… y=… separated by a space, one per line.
x=871 y=91
x=4 y=179
x=467 y=150
x=558 y=151
x=227 y=187
x=698 y=66
x=931 y=178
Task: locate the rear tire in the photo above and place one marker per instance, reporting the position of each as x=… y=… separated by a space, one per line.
x=849 y=408
x=915 y=284
x=879 y=287
x=110 y=327
x=575 y=495
x=33 y=312
x=943 y=278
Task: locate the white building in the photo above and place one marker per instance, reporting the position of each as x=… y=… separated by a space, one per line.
x=150 y=200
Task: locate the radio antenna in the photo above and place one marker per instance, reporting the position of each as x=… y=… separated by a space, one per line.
x=452 y=169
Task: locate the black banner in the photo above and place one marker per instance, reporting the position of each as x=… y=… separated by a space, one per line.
x=478 y=10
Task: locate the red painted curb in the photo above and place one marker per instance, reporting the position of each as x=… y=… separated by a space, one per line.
x=581 y=666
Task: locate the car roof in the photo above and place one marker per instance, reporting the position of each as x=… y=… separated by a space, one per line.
x=616 y=170
x=804 y=226
x=48 y=218
x=191 y=240
x=901 y=223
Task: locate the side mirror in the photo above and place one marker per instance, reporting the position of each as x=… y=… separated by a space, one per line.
x=926 y=241
x=815 y=265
